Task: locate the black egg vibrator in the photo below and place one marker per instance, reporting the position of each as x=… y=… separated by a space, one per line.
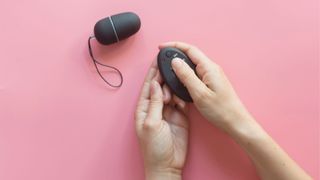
x=111 y=30
x=115 y=28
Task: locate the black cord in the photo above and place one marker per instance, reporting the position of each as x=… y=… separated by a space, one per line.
x=95 y=62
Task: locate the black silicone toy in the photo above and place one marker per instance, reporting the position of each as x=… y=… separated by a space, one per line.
x=116 y=28
x=165 y=57
x=111 y=30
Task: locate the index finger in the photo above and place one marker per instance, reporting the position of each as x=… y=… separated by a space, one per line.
x=196 y=55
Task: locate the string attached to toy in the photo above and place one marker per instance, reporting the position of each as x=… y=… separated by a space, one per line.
x=95 y=62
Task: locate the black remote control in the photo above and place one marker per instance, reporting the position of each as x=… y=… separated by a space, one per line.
x=165 y=57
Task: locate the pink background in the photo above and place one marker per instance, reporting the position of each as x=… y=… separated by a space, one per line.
x=58 y=120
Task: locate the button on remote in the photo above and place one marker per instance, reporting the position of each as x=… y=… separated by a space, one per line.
x=169 y=54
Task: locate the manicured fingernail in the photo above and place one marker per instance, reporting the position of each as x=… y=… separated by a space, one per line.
x=176 y=63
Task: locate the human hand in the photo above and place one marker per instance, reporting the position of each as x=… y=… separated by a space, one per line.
x=215 y=98
x=212 y=93
x=162 y=129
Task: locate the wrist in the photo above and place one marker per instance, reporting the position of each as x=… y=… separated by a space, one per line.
x=246 y=130
x=163 y=174
x=236 y=120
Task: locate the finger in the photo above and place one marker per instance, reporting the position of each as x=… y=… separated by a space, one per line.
x=196 y=55
x=187 y=76
x=145 y=92
x=166 y=94
x=152 y=71
x=180 y=104
x=158 y=77
x=143 y=102
x=154 y=115
x=165 y=90
x=204 y=66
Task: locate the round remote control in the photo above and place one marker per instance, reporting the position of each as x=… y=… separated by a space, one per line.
x=165 y=57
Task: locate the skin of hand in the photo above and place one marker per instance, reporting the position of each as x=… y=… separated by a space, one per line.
x=212 y=93
x=215 y=98
x=162 y=128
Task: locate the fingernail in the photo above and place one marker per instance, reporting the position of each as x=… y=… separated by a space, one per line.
x=176 y=63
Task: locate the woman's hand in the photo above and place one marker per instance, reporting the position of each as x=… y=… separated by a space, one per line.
x=215 y=98
x=212 y=93
x=162 y=129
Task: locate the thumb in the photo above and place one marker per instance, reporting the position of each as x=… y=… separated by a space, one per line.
x=187 y=76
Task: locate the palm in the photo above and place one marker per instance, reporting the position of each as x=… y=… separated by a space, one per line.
x=170 y=143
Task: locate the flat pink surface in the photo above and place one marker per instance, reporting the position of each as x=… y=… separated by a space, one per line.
x=59 y=121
